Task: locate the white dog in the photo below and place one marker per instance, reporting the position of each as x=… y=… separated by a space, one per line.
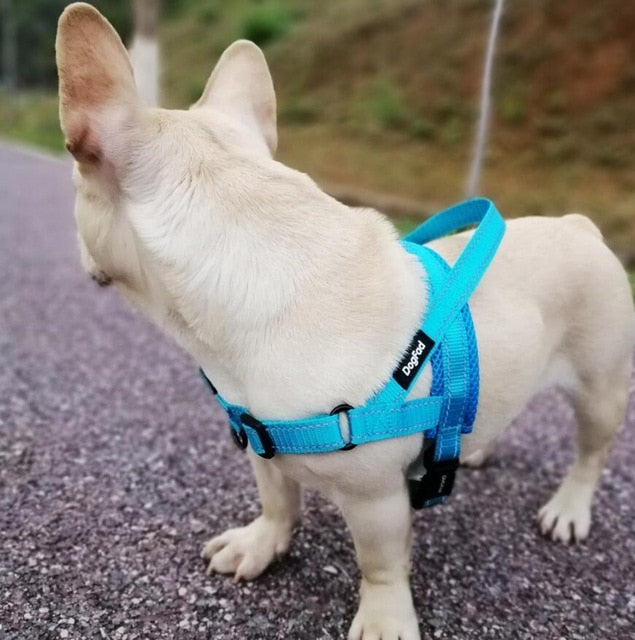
x=293 y=303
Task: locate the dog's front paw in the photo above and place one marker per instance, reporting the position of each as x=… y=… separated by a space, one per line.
x=247 y=551
x=385 y=613
x=567 y=516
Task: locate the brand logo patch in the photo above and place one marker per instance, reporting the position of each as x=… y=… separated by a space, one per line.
x=416 y=354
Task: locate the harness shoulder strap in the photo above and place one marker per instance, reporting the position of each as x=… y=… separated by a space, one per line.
x=452 y=294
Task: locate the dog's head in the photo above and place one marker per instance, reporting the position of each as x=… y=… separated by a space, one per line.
x=141 y=174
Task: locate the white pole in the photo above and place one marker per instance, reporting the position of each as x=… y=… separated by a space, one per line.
x=144 y=51
x=483 y=121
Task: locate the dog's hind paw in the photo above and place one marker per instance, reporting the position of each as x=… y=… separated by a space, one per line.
x=567 y=516
x=247 y=551
x=476 y=460
x=478 y=457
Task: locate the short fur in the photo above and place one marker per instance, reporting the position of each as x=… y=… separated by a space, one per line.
x=294 y=303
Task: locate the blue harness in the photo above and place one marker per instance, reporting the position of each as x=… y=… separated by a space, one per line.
x=446 y=338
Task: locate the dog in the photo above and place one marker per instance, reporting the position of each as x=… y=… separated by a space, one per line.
x=293 y=303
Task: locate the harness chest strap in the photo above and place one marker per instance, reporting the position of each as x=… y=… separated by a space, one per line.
x=446 y=331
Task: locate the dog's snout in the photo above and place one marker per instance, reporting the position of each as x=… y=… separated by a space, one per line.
x=101 y=278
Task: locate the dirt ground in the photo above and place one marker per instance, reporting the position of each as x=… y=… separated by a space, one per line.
x=115 y=467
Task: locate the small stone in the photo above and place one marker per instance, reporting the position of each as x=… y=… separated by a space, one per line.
x=182 y=592
x=63 y=633
x=197 y=526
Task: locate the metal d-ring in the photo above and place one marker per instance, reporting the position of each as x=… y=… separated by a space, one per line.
x=344 y=408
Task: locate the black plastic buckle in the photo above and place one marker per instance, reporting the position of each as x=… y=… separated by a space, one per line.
x=269 y=449
x=436 y=483
x=239 y=437
x=344 y=408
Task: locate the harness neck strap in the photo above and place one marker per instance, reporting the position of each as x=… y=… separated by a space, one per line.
x=448 y=299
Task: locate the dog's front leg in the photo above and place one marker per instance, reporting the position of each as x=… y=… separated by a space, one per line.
x=381 y=529
x=248 y=551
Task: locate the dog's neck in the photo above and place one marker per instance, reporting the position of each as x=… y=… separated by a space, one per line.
x=290 y=301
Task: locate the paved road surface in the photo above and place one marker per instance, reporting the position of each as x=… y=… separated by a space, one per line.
x=115 y=467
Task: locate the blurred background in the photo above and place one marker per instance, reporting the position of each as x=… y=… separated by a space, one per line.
x=378 y=98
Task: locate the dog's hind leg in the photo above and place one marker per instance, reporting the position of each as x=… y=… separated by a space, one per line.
x=597 y=352
x=600 y=408
x=248 y=551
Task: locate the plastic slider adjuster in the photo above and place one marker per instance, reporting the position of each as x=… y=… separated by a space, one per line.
x=344 y=408
x=440 y=474
x=269 y=449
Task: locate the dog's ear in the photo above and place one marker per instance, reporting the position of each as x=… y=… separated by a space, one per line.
x=241 y=86
x=96 y=84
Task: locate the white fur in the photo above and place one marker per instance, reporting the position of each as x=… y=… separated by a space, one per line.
x=294 y=303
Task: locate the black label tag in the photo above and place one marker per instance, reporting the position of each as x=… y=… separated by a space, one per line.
x=416 y=354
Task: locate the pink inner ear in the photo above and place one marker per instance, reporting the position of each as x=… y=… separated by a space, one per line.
x=94 y=70
x=83 y=147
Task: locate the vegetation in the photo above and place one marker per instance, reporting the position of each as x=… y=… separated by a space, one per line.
x=35 y=22
x=267 y=22
x=381 y=94
x=32 y=118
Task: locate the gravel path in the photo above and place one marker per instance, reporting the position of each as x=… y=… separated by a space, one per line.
x=115 y=466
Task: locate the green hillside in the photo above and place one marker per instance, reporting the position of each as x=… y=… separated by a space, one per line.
x=379 y=97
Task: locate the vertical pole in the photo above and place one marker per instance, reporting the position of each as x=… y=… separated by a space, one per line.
x=9 y=47
x=146 y=17
x=486 y=90
x=144 y=50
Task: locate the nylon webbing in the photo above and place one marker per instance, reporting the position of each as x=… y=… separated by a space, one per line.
x=447 y=321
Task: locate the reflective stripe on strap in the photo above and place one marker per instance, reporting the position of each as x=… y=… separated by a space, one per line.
x=367 y=424
x=453 y=292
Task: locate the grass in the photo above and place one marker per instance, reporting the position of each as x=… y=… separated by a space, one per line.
x=200 y=31
x=267 y=23
x=32 y=119
x=380 y=94
x=401 y=163
x=385 y=104
x=398 y=164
